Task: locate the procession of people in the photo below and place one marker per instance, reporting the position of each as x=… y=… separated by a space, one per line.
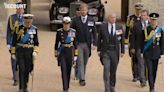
x=76 y=39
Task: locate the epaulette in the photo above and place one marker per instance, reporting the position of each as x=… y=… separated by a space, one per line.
x=128 y=16
x=34 y=26
x=72 y=29
x=129 y=20
x=13 y=15
x=60 y=29
x=131 y=16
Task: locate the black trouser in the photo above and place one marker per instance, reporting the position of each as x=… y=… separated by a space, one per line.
x=135 y=66
x=152 y=66
x=76 y=69
x=141 y=66
x=65 y=58
x=110 y=63
x=14 y=69
x=25 y=63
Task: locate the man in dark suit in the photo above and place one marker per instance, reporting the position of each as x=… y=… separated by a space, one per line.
x=86 y=38
x=109 y=40
x=131 y=20
x=153 y=48
x=14 y=21
x=137 y=38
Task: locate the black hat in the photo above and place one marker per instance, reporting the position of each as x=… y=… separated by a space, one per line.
x=19 y=3
x=154 y=15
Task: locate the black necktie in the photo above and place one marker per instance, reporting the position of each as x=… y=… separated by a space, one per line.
x=83 y=19
x=112 y=30
x=19 y=17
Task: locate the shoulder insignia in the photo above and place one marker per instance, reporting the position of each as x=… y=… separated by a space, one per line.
x=60 y=29
x=73 y=30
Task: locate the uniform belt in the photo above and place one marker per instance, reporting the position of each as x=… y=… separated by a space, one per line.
x=67 y=45
x=25 y=45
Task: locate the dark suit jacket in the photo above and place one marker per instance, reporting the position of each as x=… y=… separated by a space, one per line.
x=91 y=36
x=103 y=39
x=155 y=50
x=137 y=36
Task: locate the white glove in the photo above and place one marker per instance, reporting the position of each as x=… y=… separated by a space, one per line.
x=34 y=54
x=141 y=55
x=160 y=60
x=75 y=58
x=13 y=56
x=93 y=47
x=56 y=58
x=8 y=46
x=126 y=46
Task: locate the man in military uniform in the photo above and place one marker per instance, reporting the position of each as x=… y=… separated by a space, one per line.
x=86 y=35
x=24 y=49
x=137 y=37
x=110 y=39
x=153 y=48
x=130 y=23
x=66 y=50
x=13 y=23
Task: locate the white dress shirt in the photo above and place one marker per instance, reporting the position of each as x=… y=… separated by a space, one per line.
x=84 y=18
x=143 y=25
x=110 y=26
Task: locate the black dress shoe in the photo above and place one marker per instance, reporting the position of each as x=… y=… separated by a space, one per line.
x=21 y=90
x=152 y=90
x=15 y=83
x=82 y=83
x=65 y=91
x=26 y=90
x=143 y=84
x=135 y=80
x=112 y=89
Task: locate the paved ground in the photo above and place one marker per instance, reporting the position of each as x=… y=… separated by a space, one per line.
x=47 y=74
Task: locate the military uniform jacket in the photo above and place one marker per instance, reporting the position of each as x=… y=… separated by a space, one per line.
x=13 y=22
x=156 y=49
x=129 y=25
x=65 y=39
x=29 y=37
x=85 y=33
x=103 y=39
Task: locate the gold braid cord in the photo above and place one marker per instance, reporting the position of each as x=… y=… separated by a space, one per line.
x=131 y=23
x=15 y=26
x=151 y=34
